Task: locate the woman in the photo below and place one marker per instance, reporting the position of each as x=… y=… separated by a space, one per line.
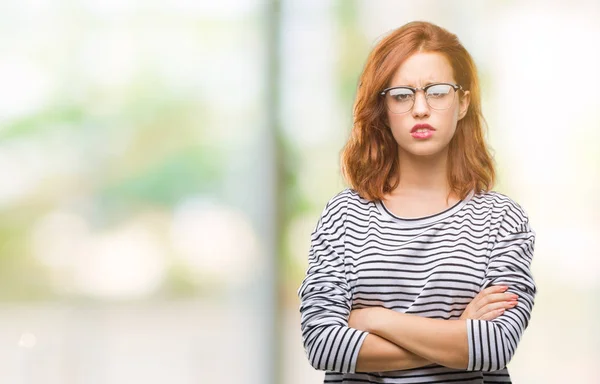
x=419 y=272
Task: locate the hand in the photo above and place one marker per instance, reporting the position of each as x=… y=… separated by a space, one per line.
x=489 y=304
x=362 y=319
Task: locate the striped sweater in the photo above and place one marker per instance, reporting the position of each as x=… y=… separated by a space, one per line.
x=362 y=255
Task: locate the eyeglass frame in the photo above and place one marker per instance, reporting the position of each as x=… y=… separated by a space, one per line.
x=456 y=87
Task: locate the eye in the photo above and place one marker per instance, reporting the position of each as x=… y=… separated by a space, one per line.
x=401 y=94
x=439 y=91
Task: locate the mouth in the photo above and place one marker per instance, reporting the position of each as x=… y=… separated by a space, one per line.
x=422 y=131
x=422 y=128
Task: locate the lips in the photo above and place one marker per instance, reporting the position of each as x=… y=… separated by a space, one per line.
x=422 y=127
x=422 y=131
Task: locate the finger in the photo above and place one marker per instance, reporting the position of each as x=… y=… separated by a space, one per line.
x=494 y=289
x=494 y=298
x=495 y=306
x=497 y=297
x=492 y=315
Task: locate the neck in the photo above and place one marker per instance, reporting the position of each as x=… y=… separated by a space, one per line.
x=423 y=174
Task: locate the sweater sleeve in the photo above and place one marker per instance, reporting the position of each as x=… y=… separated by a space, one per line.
x=325 y=299
x=492 y=344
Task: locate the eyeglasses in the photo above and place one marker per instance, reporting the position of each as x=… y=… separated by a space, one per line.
x=438 y=96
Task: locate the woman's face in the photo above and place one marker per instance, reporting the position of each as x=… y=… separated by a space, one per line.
x=419 y=70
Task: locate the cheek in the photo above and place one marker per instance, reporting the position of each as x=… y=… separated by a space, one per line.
x=453 y=119
x=389 y=118
x=399 y=121
x=398 y=124
x=456 y=112
x=449 y=119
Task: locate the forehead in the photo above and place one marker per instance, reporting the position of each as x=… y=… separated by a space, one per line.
x=423 y=68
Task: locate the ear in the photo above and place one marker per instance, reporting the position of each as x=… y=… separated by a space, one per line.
x=463 y=103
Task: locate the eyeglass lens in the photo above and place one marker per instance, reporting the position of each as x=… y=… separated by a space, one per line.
x=438 y=96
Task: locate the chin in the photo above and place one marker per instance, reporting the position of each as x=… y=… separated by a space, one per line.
x=423 y=149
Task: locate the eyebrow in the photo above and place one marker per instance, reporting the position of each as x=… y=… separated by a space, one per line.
x=426 y=84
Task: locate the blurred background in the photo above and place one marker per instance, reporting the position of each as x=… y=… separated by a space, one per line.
x=163 y=164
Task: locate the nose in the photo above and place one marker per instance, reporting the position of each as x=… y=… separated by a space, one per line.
x=421 y=108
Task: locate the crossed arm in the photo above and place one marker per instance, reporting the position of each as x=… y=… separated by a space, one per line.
x=398 y=341
x=377 y=339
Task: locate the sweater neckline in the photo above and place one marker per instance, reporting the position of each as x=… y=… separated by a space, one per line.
x=423 y=220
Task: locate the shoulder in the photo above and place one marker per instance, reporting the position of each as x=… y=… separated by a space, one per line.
x=336 y=209
x=343 y=199
x=511 y=215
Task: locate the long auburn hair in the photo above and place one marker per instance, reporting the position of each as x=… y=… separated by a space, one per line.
x=369 y=160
